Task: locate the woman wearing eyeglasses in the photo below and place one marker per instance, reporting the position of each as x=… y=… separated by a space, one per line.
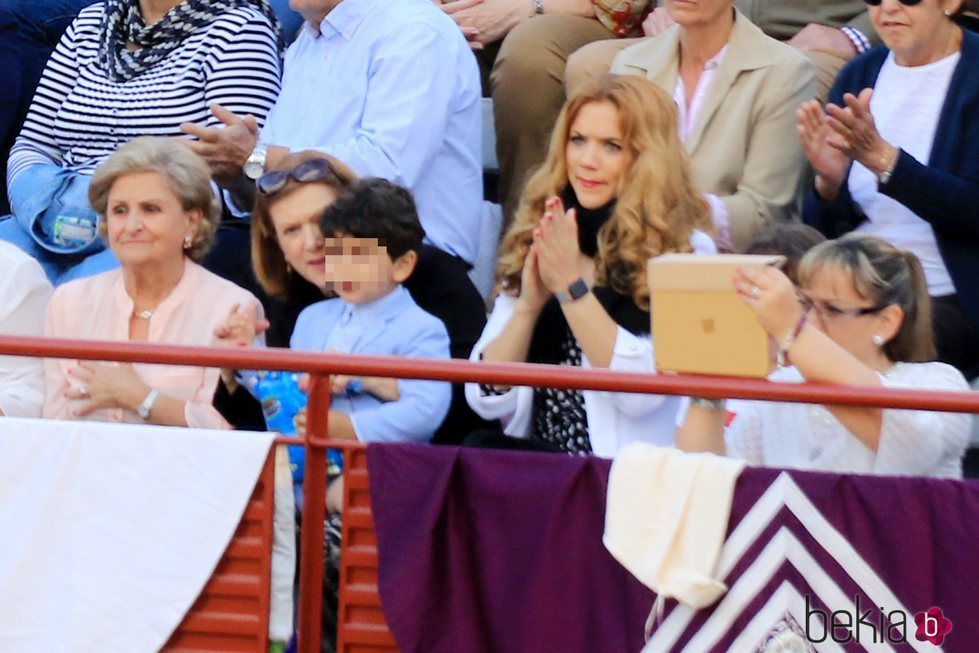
x=896 y=154
x=864 y=319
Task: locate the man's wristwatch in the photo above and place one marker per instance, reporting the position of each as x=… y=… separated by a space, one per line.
x=143 y=410
x=255 y=163
x=576 y=290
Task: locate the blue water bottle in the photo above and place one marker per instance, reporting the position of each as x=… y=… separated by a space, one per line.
x=281 y=399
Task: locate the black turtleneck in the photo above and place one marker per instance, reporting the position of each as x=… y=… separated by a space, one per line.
x=589 y=221
x=552 y=327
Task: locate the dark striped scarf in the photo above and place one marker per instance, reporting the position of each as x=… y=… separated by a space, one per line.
x=123 y=23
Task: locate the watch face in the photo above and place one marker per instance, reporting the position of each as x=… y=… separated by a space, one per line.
x=578 y=289
x=252 y=169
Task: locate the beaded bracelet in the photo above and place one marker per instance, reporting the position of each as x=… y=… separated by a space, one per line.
x=781 y=359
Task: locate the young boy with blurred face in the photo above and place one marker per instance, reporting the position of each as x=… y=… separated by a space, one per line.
x=372 y=238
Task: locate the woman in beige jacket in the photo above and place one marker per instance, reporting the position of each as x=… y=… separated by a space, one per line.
x=737 y=91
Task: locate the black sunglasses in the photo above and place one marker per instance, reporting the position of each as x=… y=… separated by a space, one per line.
x=906 y=3
x=305 y=173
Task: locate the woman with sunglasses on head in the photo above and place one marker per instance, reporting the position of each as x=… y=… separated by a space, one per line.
x=864 y=319
x=614 y=191
x=287 y=246
x=288 y=256
x=896 y=154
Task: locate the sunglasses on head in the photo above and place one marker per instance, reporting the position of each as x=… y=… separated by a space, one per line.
x=906 y=3
x=306 y=172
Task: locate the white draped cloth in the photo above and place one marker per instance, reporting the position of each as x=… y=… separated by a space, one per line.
x=108 y=532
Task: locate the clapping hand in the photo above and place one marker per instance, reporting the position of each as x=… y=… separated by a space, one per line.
x=556 y=241
x=533 y=294
x=823 y=148
x=856 y=135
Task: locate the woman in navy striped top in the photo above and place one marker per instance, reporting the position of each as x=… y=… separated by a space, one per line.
x=128 y=68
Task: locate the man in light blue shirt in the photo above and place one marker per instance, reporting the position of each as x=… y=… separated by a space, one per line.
x=389 y=87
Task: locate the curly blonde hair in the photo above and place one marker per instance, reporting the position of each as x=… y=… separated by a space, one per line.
x=657 y=205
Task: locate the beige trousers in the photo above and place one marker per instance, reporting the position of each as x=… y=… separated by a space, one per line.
x=527 y=85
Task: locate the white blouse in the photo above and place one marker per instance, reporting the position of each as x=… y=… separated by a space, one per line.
x=807 y=436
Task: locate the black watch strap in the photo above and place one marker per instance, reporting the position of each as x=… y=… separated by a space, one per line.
x=576 y=290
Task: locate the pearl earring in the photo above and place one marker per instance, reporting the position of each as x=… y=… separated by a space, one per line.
x=878 y=340
x=188 y=241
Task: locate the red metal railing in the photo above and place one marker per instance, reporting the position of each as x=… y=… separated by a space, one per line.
x=321 y=366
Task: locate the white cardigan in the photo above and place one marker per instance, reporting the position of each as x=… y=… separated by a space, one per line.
x=614 y=419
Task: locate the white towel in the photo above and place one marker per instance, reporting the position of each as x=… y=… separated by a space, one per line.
x=108 y=532
x=666 y=515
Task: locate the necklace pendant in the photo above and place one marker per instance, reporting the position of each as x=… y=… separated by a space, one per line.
x=145 y=315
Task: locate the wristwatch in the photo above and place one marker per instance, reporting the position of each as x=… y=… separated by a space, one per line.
x=255 y=163
x=575 y=291
x=143 y=410
x=709 y=404
x=884 y=175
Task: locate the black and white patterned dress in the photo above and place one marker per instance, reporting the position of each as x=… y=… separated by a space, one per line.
x=559 y=414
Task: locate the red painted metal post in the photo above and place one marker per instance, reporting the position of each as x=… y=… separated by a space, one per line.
x=314 y=516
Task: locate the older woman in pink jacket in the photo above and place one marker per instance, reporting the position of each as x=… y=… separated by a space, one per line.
x=158 y=217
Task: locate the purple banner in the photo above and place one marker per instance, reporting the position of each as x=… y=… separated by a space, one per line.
x=499 y=551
